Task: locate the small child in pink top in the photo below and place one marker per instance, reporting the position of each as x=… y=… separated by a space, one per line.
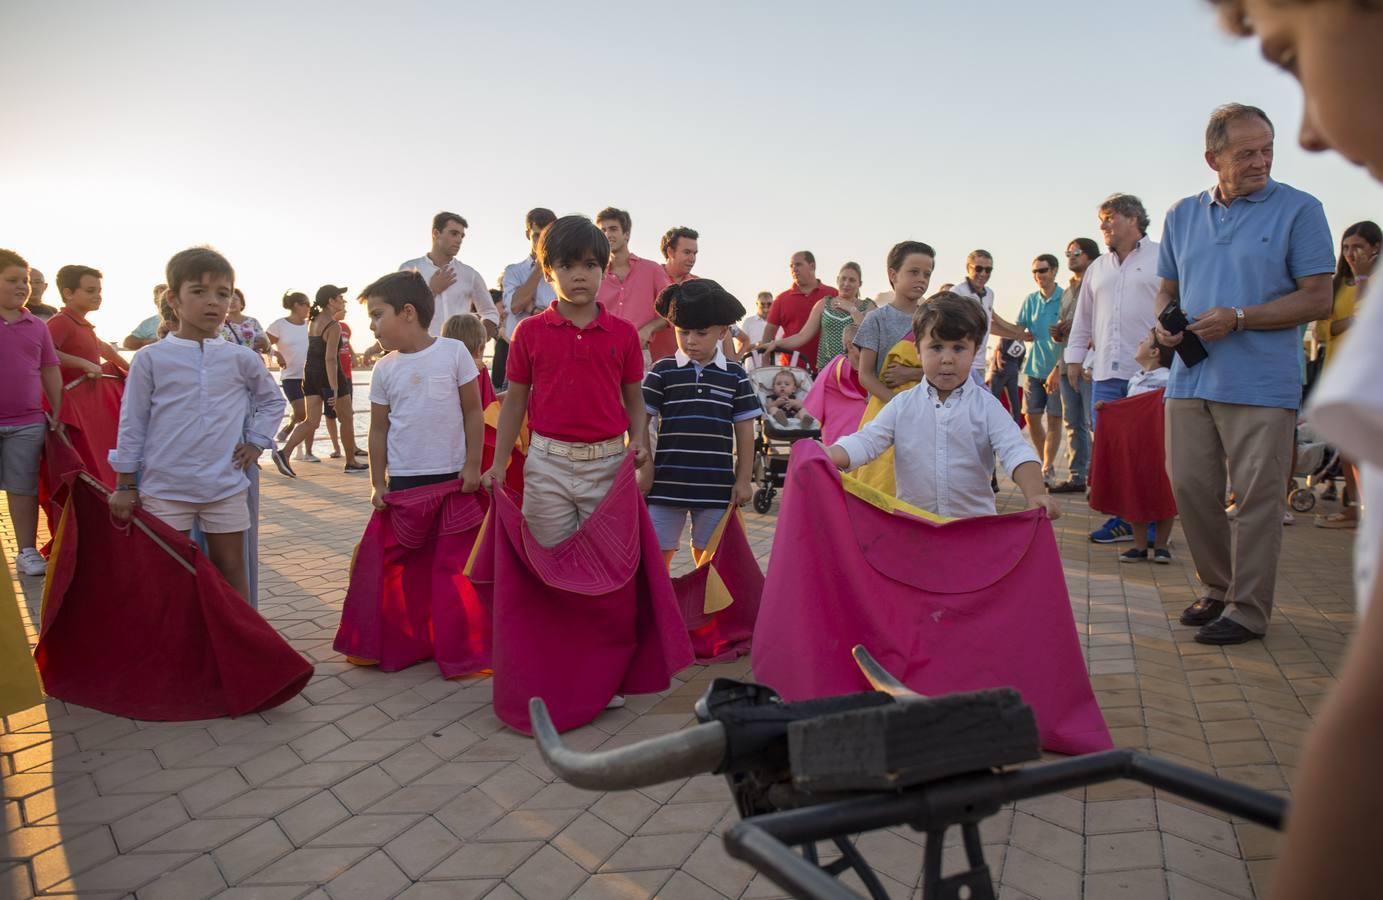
x=29 y=371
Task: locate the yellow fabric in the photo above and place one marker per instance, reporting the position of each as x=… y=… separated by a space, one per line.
x=879 y=473
x=717 y=594
x=479 y=536
x=1343 y=308
x=492 y=420
x=19 y=688
x=887 y=502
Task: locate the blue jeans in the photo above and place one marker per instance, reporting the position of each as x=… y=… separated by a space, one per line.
x=1105 y=391
x=1073 y=403
x=1004 y=381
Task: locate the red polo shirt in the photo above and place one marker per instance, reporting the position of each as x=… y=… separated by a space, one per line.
x=576 y=374
x=75 y=337
x=790 y=311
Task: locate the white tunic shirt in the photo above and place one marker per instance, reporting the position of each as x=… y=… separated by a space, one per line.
x=943 y=453
x=467 y=293
x=1347 y=408
x=1115 y=311
x=183 y=413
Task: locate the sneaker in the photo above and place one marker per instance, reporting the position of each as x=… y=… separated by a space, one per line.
x=307 y=457
x=1162 y=555
x=1067 y=487
x=1288 y=519
x=281 y=463
x=616 y=702
x=30 y=562
x=1115 y=531
x=1133 y=555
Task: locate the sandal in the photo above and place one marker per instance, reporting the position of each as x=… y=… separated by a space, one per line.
x=356 y=467
x=1337 y=520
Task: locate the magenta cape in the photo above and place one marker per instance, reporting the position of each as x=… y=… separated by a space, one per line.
x=408 y=598
x=732 y=576
x=837 y=400
x=582 y=621
x=1128 y=472
x=962 y=606
x=137 y=622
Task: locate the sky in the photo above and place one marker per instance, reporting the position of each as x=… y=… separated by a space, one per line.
x=312 y=142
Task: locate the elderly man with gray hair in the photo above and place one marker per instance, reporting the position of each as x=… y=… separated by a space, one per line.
x=1249 y=261
x=1114 y=313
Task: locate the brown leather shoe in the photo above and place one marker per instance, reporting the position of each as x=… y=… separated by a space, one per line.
x=1202 y=612
x=1225 y=631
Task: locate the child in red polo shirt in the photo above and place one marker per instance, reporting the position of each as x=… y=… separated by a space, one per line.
x=576 y=371
x=80 y=351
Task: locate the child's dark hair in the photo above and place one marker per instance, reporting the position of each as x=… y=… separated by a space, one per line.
x=293 y=298
x=903 y=249
x=1164 y=353
x=194 y=264
x=950 y=317
x=467 y=328
x=70 y=277
x=399 y=289
x=10 y=258
x=570 y=240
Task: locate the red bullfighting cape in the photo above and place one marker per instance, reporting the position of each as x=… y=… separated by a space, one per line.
x=137 y=622
x=837 y=400
x=719 y=599
x=1128 y=473
x=409 y=599
x=582 y=621
x=962 y=605
x=90 y=415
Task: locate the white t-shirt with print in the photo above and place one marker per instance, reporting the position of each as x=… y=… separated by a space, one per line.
x=427 y=435
x=291 y=343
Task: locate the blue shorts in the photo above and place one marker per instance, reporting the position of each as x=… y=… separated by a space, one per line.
x=292 y=389
x=1037 y=399
x=668 y=522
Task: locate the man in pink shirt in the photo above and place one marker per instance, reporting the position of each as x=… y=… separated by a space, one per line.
x=631 y=285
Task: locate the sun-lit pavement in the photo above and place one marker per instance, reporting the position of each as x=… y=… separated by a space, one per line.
x=378 y=785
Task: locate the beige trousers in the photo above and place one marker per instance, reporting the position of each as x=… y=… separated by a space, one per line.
x=1236 y=559
x=559 y=494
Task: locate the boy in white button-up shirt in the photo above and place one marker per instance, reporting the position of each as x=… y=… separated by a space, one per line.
x=183 y=432
x=946 y=431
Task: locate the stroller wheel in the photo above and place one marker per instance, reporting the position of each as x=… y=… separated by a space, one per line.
x=763 y=500
x=1303 y=500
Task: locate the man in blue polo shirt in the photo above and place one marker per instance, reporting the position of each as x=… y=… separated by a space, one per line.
x=1249 y=261
x=1040 y=313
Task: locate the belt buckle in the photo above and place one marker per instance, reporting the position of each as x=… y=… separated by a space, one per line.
x=583 y=453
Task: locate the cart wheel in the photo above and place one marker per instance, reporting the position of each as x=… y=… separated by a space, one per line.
x=763 y=501
x=1303 y=500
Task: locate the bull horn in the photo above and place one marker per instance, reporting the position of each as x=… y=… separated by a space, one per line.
x=682 y=754
x=879 y=678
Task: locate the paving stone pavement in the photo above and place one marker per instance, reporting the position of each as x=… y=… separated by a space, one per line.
x=377 y=785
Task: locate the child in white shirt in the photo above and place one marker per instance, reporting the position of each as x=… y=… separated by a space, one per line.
x=947 y=431
x=426 y=422
x=184 y=414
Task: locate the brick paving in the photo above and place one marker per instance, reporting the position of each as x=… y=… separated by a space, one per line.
x=378 y=785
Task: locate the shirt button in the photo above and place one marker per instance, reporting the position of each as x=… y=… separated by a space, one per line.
x=578 y=337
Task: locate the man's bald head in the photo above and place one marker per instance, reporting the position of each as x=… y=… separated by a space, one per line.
x=37 y=285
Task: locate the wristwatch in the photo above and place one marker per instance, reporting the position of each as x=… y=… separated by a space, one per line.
x=1238 y=318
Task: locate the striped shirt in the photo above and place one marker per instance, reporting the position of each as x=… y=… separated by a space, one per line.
x=699 y=406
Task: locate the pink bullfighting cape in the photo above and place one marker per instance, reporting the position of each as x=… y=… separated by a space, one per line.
x=946 y=606
x=584 y=620
x=837 y=400
x=409 y=598
x=719 y=599
x=1128 y=473
x=137 y=622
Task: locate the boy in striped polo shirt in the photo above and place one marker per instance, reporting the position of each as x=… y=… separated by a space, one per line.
x=707 y=409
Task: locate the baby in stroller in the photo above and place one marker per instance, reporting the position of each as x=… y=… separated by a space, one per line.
x=784 y=402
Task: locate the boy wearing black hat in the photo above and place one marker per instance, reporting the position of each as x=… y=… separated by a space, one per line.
x=706 y=407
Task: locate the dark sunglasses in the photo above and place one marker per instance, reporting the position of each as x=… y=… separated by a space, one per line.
x=1075 y=252
x=1042 y=271
x=984 y=269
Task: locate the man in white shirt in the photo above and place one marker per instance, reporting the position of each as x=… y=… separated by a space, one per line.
x=456 y=287
x=979 y=266
x=750 y=332
x=1116 y=310
x=524 y=290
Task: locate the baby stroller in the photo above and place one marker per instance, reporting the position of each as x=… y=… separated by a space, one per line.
x=1317 y=463
x=773 y=439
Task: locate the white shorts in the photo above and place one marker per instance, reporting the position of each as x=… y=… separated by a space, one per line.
x=218 y=517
